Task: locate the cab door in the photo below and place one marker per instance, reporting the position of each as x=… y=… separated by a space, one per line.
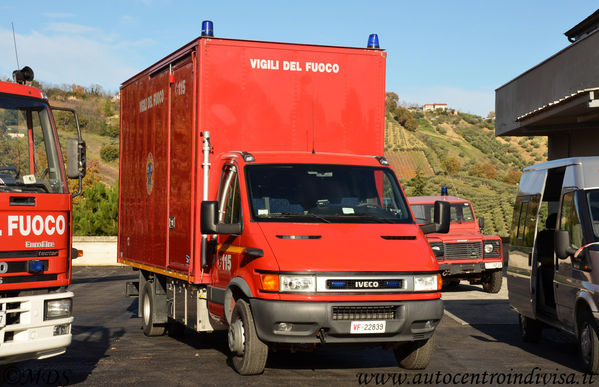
x=568 y=276
x=228 y=251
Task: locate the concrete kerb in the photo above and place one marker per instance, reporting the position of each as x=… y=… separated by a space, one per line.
x=97 y=250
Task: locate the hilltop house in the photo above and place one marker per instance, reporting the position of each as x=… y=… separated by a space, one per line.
x=429 y=107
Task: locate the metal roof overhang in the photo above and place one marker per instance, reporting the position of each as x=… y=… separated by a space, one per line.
x=560 y=94
x=578 y=110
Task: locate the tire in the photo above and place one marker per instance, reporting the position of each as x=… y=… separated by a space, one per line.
x=588 y=342
x=248 y=352
x=492 y=282
x=415 y=355
x=148 y=307
x=530 y=329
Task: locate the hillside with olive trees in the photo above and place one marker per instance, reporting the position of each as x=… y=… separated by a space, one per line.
x=459 y=150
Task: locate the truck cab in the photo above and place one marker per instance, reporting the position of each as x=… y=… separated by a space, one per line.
x=463 y=253
x=35 y=226
x=554 y=253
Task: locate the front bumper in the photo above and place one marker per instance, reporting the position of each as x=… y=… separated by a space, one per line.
x=452 y=269
x=313 y=322
x=25 y=335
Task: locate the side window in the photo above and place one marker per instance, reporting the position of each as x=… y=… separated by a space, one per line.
x=569 y=219
x=229 y=197
x=522 y=221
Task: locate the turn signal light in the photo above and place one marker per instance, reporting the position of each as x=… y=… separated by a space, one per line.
x=269 y=282
x=439 y=282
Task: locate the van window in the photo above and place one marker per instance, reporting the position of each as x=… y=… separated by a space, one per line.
x=570 y=220
x=522 y=221
x=593 y=200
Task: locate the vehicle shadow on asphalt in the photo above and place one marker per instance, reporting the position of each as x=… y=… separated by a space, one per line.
x=498 y=323
x=327 y=357
x=90 y=344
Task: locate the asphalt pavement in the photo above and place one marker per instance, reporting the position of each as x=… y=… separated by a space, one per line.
x=477 y=342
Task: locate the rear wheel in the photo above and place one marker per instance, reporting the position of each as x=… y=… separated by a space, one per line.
x=492 y=282
x=415 y=355
x=248 y=352
x=588 y=342
x=530 y=329
x=148 y=306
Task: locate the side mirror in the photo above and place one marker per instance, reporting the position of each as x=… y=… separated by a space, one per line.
x=209 y=221
x=481 y=223
x=441 y=216
x=563 y=249
x=76 y=158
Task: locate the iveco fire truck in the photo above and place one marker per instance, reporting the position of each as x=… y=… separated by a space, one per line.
x=254 y=198
x=35 y=224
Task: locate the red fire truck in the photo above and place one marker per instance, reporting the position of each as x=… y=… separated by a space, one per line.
x=35 y=224
x=253 y=199
x=463 y=253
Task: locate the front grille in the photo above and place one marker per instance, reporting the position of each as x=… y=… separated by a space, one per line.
x=466 y=250
x=364 y=284
x=385 y=312
x=13 y=312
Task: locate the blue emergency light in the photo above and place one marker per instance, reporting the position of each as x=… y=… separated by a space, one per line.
x=35 y=266
x=207 y=28
x=373 y=41
x=444 y=190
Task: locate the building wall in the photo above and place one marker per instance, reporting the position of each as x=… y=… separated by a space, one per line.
x=581 y=142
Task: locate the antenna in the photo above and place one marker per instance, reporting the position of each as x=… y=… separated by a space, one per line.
x=14 y=39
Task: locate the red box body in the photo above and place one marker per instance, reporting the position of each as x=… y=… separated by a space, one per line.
x=251 y=96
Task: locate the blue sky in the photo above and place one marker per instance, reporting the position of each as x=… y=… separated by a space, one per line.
x=456 y=52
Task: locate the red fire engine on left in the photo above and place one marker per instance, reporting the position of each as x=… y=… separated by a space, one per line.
x=35 y=223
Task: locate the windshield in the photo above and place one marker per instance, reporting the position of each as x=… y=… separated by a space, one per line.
x=29 y=161
x=460 y=213
x=325 y=194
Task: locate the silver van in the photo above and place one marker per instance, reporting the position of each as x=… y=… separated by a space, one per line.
x=553 y=266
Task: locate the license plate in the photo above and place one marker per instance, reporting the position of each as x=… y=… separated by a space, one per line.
x=365 y=327
x=2 y=319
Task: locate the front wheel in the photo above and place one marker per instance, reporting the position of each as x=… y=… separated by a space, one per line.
x=492 y=282
x=588 y=342
x=248 y=352
x=415 y=355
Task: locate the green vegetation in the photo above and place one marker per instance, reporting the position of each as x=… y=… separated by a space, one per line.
x=461 y=152
x=95 y=211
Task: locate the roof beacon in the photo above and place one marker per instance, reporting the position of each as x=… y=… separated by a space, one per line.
x=373 y=41
x=207 y=28
x=444 y=190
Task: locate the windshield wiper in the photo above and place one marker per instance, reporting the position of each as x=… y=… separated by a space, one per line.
x=293 y=215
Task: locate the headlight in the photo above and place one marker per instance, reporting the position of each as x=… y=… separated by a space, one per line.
x=492 y=249
x=54 y=309
x=297 y=283
x=437 y=248
x=424 y=283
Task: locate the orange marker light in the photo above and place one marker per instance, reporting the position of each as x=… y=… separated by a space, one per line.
x=439 y=282
x=270 y=282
